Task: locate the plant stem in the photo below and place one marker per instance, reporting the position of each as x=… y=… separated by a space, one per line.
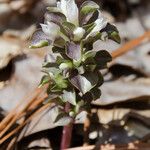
x=67 y=132
x=86 y=130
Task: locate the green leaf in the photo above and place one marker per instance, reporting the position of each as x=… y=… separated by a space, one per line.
x=88 y=43
x=60 y=60
x=88 y=6
x=88 y=56
x=96 y=58
x=60 y=81
x=45 y=79
x=69 y=96
x=84 y=83
x=101 y=58
x=87 y=10
x=59 y=42
x=68 y=26
x=53 y=98
x=40 y=44
x=55 y=89
x=78 y=106
x=89 y=27
x=112 y=32
x=115 y=37
x=90 y=67
x=81 y=70
x=57 y=49
x=96 y=93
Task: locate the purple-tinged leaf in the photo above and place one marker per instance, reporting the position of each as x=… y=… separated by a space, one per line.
x=50 y=60
x=57 y=18
x=74 y=51
x=39 y=39
x=84 y=83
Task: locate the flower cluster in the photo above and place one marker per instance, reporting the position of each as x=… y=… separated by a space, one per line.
x=72 y=68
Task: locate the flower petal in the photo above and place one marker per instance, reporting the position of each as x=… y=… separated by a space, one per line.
x=72 y=12
x=51 y=29
x=100 y=23
x=62 y=5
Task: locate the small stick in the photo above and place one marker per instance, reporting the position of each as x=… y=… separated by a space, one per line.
x=24 y=123
x=12 y=113
x=33 y=106
x=37 y=102
x=21 y=114
x=6 y=127
x=90 y=147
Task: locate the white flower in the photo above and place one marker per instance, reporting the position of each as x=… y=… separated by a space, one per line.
x=51 y=29
x=100 y=23
x=62 y=5
x=78 y=33
x=70 y=10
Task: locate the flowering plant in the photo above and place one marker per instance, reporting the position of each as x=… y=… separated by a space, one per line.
x=72 y=67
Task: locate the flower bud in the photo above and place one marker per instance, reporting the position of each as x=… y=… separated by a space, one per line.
x=78 y=33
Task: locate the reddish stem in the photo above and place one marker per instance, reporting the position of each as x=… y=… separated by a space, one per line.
x=67 y=132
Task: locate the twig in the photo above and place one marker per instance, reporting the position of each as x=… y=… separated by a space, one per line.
x=33 y=106
x=24 y=123
x=90 y=147
x=13 y=112
x=21 y=114
x=6 y=127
